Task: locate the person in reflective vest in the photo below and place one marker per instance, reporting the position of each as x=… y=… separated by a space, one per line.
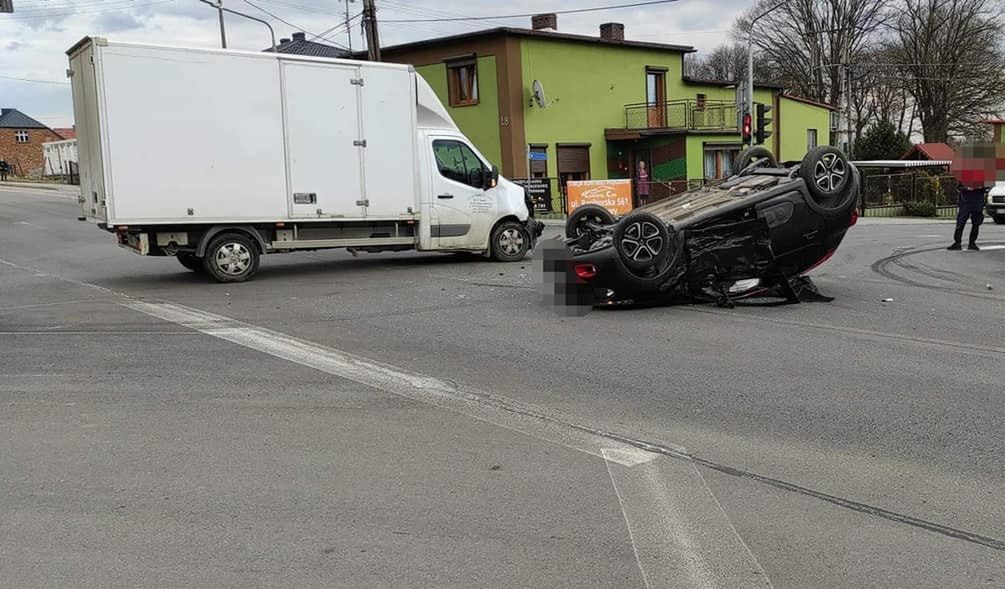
x=972 y=201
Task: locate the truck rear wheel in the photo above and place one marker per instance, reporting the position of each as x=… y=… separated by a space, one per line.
x=231 y=257
x=190 y=261
x=510 y=242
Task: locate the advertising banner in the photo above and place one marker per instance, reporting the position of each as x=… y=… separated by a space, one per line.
x=613 y=195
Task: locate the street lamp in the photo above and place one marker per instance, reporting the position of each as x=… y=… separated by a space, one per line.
x=223 y=38
x=750 y=56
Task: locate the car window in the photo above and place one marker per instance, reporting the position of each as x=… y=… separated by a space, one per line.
x=456 y=161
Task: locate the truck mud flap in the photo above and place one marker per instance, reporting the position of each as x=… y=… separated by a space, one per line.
x=535 y=228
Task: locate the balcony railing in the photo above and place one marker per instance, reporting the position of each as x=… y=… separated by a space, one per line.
x=698 y=115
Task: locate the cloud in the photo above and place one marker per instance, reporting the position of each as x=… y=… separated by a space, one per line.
x=115 y=22
x=34 y=47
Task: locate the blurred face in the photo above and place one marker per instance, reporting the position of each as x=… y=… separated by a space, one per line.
x=979 y=165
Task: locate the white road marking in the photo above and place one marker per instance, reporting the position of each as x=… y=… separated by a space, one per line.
x=985 y=248
x=495 y=409
x=27 y=223
x=679 y=531
x=669 y=523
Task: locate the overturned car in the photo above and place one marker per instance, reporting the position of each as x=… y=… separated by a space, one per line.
x=755 y=233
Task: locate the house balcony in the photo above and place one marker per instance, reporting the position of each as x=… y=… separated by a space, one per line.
x=682 y=116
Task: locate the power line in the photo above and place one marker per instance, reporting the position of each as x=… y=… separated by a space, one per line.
x=524 y=15
x=288 y=23
x=302 y=7
x=34 y=81
x=54 y=15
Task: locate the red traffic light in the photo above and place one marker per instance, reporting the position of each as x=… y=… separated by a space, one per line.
x=746 y=126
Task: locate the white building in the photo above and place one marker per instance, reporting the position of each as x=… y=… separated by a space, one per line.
x=58 y=155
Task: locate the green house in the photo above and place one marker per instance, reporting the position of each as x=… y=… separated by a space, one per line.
x=545 y=104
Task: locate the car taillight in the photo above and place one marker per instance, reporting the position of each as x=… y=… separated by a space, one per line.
x=586 y=271
x=854 y=217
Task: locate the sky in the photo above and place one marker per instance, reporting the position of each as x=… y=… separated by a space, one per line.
x=34 y=39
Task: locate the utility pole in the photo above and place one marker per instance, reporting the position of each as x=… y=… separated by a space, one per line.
x=223 y=33
x=750 y=60
x=348 y=29
x=370 y=28
x=847 y=98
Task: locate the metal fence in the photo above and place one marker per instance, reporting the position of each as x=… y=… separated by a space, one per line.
x=682 y=114
x=894 y=190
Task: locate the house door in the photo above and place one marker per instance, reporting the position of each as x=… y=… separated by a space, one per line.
x=573 y=164
x=656 y=97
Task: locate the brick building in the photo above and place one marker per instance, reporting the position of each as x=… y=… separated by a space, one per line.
x=21 y=139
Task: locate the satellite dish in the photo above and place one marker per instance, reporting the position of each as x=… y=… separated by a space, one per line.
x=538 y=93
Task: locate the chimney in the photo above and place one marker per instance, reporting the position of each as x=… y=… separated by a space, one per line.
x=299 y=37
x=613 y=31
x=544 y=22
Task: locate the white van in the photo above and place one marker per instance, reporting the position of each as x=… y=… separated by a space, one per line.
x=996 y=203
x=219 y=156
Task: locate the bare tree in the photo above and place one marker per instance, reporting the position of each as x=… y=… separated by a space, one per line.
x=726 y=62
x=809 y=42
x=950 y=57
x=877 y=92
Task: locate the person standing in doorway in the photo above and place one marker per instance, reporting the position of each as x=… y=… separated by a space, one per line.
x=3 y=170
x=971 y=205
x=643 y=184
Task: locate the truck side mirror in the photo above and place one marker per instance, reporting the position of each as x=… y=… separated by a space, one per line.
x=490 y=178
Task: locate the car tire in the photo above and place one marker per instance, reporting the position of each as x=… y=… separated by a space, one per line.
x=190 y=261
x=828 y=176
x=510 y=242
x=998 y=219
x=642 y=241
x=752 y=155
x=231 y=257
x=574 y=226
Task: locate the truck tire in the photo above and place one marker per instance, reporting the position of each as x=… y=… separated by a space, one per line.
x=510 y=242
x=998 y=219
x=190 y=261
x=231 y=257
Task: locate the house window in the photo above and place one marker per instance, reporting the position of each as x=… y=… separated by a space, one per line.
x=719 y=161
x=462 y=81
x=456 y=161
x=811 y=139
x=21 y=136
x=538 y=161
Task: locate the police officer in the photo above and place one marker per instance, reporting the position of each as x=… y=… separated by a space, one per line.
x=971 y=205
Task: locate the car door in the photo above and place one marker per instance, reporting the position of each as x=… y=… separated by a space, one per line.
x=462 y=211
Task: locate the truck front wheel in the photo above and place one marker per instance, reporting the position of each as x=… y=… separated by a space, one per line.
x=510 y=242
x=231 y=257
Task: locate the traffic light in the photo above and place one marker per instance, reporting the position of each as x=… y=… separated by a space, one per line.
x=6 y=6
x=763 y=121
x=745 y=131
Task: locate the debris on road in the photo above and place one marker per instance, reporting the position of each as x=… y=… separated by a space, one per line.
x=887 y=300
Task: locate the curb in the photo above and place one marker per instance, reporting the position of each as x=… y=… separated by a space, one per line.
x=29 y=185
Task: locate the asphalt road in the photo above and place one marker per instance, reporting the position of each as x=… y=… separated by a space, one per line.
x=415 y=420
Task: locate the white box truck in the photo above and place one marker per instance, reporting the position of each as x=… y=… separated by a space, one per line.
x=217 y=157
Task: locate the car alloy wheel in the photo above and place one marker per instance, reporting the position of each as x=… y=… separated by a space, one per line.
x=642 y=241
x=829 y=172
